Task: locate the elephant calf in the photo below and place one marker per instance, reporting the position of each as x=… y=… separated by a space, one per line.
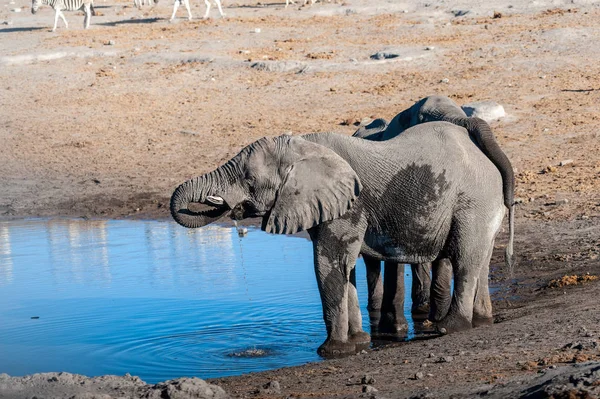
x=434 y=195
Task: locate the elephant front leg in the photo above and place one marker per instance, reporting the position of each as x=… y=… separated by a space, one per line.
x=421 y=285
x=335 y=251
x=375 y=291
x=356 y=335
x=441 y=295
x=392 y=308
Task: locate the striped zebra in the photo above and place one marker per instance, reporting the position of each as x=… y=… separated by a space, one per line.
x=67 y=5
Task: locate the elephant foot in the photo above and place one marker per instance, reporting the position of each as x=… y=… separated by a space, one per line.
x=374 y=319
x=332 y=348
x=420 y=311
x=361 y=340
x=453 y=323
x=480 y=320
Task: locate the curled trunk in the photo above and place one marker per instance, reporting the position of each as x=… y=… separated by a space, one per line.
x=196 y=191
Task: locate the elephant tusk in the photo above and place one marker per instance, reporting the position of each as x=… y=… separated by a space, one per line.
x=214 y=200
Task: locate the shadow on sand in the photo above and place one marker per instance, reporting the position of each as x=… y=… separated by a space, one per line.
x=22 y=29
x=133 y=21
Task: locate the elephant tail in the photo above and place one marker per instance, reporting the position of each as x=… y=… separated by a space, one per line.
x=509 y=251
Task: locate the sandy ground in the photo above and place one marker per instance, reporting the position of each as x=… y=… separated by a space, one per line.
x=106 y=122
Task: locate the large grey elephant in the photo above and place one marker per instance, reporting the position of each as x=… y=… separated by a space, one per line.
x=434 y=195
x=383 y=299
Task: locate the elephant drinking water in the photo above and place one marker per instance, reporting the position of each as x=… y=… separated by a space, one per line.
x=434 y=195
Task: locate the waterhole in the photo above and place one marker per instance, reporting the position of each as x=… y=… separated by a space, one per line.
x=156 y=300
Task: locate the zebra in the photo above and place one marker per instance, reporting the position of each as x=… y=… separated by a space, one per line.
x=140 y=3
x=186 y=3
x=67 y=5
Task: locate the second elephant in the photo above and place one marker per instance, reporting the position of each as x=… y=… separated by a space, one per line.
x=386 y=301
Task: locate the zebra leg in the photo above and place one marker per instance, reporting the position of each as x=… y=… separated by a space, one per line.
x=56 y=15
x=62 y=16
x=186 y=3
x=207 y=2
x=175 y=6
x=86 y=19
x=287 y=2
x=218 y=3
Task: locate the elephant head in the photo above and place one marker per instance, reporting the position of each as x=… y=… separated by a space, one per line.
x=292 y=183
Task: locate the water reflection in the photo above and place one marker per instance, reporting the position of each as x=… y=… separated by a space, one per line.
x=156 y=300
x=6 y=263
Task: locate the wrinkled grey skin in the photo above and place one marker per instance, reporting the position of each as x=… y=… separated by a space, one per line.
x=437 y=108
x=435 y=195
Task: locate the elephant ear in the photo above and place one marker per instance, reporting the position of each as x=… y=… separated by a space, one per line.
x=318 y=186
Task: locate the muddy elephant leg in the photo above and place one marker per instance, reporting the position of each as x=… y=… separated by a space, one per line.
x=467 y=262
x=392 y=308
x=375 y=291
x=336 y=246
x=482 y=308
x=421 y=285
x=441 y=296
x=356 y=335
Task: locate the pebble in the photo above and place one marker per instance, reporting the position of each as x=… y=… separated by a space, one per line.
x=16 y=10
x=445 y=359
x=563 y=201
x=256 y=30
x=110 y=43
x=565 y=162
x=445 y=80
x=367 y=379
x=430 y=48
x=487 y=110
x=419 y=376
x=383 y=55
x=369 y=389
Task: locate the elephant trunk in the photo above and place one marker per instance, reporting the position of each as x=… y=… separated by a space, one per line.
x=481 y=133
x=204 y=190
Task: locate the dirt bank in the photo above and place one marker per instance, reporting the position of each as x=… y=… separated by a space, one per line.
x=106 y=122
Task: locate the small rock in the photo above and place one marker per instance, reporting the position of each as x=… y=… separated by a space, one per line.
x=110 y=43
x=549 y=169
x=445 y=359
x=429 y=375
x=460 y=13
x=487 y=110
x=430 y=48
x=565 y=162
x=367 y=379
x=383 y=55
x=497 y=15
x=445 y=80
x=16 y=10
x=563 y=201
x=431 y=355
x=256 y=30
x=369 y=389
x=353 y=60
x=419 y=376
x=271 y=387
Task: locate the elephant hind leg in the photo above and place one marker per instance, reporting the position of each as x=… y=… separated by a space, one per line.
x=441 y=295
x=421 y=286
x=375 y=291
x=392 y=308
x=471 y=255
x=482 y=308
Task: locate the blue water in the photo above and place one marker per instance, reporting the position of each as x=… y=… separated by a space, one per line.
x=154 y=299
